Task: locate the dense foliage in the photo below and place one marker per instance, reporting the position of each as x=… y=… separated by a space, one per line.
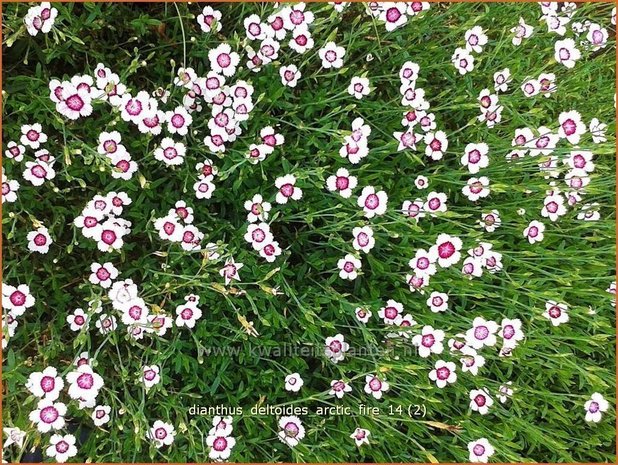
x=268 y=319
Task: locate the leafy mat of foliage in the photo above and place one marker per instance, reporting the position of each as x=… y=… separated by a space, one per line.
x=299 y=300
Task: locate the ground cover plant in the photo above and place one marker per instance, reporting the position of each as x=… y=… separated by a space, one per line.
x=325 y=232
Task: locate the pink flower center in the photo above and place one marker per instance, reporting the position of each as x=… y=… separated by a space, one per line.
x=481 y=332
x=90 y=222
x=474 y=156
x=552 y=207
x=62 y=447
x=38 y=171
x=258 y=235
x=564 y=54
x=160 y=433
x=75 y=102
x=85 y=381
x=435 y=145
x=32 y=135
x=569 y=127
x=508 y=332
x=287 y=190
x=533 y=231
x=224 y=60
x=170 y=153
x=291 y=430
x=187 y=237
x=301 y=40
x=219 y=444
x=362 y=239
x=48 y=383
x=40 y=240
x=178 y=121
x=342 y=183
x=335 y=346
x=49 y=414
x=133 y=107
x=392 y=15
x=478 y=450
x=446 y=249
x=427 y=340
x=390 y=313
x=443 y=373
x=123 y=165
x=372 y=201
x=375 y=384
x=186 y=313
x=555 y=312
x=18 y=298
x=297 y=17
x=108 y=236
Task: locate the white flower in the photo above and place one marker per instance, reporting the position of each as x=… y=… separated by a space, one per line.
x=39 y=240
x=100 y=414
x=463 y=61
x=291 y=431
x=556 y=312
x=289 y=75
x=187 y=315
x=475 y=39
x=429 y=341
x=342 y=182
x=476 y=188
x=534 y=232
x=375 y=386
x=480 y=450
x=363 y=239
x=359 y=87
x=437 y=301
x=360 y=436
x=521 y=31
x=336 y=347
x=482 y=333
x=230 y=270
x=151 y=376
x=287 y=189
x=331 y=55
x=502 y=79
x=571 y=126
x=338 y=388
x=220 y=446
x=480 y=401
x=293 y=382
x=566 y=52
x=61 y=448
x=209 y=18
x=223 y=60
x=14 y=436
x=161 y=434
x=48 y=415
x=443 y=373
x=170 y=152
x=46 y=384
x=373 y=203
x=595 y=407
x=348 y=267
x=84 y=383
